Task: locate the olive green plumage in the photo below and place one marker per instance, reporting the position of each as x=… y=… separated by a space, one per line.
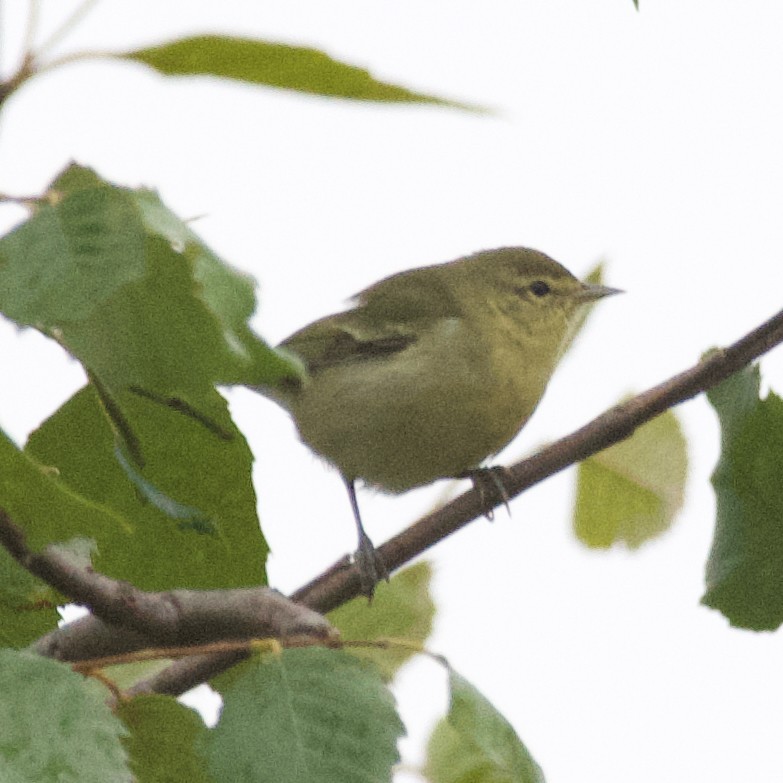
x=434 y=369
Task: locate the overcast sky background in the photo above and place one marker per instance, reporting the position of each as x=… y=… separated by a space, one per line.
x=651 y=140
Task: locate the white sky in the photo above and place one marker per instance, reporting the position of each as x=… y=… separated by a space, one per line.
x=652 y=139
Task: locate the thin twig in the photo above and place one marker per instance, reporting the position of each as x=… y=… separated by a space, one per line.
x=31 y=28
x=78 y=14
x=257 y=644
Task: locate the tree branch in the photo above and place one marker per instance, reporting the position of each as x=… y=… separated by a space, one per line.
x=125 y=618
x=340 y=583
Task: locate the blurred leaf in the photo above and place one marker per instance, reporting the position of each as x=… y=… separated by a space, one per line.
x=401 y=608
x=631 y=491
x=164 y=740
x=275 y=65
x=745 y=567
x=184 y=459
x=476 y=744
x=72 y=179
x=308 y=714
x=131 y=292
x=450 y=759
x=56 y=725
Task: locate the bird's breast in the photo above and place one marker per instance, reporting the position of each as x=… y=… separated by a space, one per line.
x=436 y=409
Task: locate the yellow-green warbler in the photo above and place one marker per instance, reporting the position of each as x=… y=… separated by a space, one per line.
x=432 y=371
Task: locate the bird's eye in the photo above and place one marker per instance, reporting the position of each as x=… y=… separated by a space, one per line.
x=539 y=288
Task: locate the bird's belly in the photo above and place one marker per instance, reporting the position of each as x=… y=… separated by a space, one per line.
x=397 y=428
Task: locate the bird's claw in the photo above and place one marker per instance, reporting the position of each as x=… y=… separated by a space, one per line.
x=488 y=482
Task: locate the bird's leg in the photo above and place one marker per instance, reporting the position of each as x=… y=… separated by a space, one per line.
x=489 y=484
x=370 y=564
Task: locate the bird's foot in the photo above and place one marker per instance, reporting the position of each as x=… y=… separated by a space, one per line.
x=488 y=482
x=371 y=567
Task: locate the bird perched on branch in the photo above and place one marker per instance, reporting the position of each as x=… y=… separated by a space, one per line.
x=431 y=371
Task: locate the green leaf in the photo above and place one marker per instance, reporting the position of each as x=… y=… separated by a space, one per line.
x=126 y=675
x=275 y=65
x=55 y=726
x=132 y=292
x=476 y=744
x=68 y=258
x=27 y=605
x=310 y=714
x=401 y=608
x=185 y=459
x=228 y=294
x=632 y=491
x=188 y=516
x=45 y=507
x=164 y=740
x=745 y=567
x=48 y=512
x=452 y=760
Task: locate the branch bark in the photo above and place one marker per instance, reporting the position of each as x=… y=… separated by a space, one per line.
x=340 y=583
x=125 y=618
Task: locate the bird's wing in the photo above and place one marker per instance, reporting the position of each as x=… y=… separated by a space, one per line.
x=339 y=339
x=387 y=318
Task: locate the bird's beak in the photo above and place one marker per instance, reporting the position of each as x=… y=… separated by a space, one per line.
x=590 y=292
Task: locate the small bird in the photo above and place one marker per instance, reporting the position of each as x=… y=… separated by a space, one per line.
x=432 y=371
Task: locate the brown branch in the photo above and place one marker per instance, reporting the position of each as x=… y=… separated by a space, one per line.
x=125 y=618
x=340 y=582
x=25 y=71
